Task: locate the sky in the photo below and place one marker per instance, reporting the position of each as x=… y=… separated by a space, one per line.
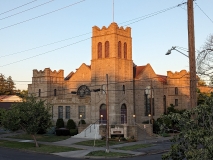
x=56 y=34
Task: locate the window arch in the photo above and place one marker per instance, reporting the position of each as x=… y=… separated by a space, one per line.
x=99 y=50
x=125 y=50
x=123 y=114
x=107 y=49
x=55 y=92
x=119 y=49
x=83 y=91
x=39 y=92
x=176 y=90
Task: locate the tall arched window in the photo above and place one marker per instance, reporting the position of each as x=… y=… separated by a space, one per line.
x=125 y=50
x=123 y=114
x=107 y=49
x=99 y=50
x=39 y=92
x=54 y=92
x=119 y=49
x=148 y=101
x=164 y=103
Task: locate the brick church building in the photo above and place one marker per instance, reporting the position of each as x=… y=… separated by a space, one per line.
x=132 y=89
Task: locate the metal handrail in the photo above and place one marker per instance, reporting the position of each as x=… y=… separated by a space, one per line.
x=89 y=127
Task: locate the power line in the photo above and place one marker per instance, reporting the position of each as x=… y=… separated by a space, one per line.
x=44 y=53
x=74 y=37
x=41 y=15
x=17 y=7
x=43 y=45
x=145 y=17
x=26 y=10
x=204 y=13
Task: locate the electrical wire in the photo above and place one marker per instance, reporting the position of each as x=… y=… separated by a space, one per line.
x=17 y=7
x=42 y=15
x=26 y=10
x=204 y=13
x=44 y=53
x=44 y=45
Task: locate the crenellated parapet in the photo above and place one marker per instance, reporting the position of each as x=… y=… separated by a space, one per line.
x=112 y=29
x=179 y=75
x=48 y=72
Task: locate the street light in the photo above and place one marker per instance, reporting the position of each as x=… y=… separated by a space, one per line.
x=174 y=48
x=133 y=118
x=101 y=118
x=80 y=118
x=149 y=117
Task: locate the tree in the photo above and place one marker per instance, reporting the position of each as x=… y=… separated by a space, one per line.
x=205 y=60
x=195 y=138
x=22 y=94
x=31 y=116
x=7 y=86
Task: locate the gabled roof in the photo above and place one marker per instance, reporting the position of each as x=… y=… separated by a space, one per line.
x=162 y=78
x=138 y=70
x=69 y=76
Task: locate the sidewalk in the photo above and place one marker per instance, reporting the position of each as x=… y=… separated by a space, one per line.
x=70 y=142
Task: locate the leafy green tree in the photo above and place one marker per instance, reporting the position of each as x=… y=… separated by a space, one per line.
x=22 y=94
x=7 y=86
x=195 y=138
x=2 y=111
x=31 y=116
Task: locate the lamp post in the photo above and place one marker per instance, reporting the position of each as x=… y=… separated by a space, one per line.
x=133 y=118
x=101 y=118
x=80 y=118
x=149 y=118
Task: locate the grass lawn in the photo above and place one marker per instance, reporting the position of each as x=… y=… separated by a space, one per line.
x=42 y=138
x=31 y=147
x=134 y=147
x=98 y=143
x=110 y=154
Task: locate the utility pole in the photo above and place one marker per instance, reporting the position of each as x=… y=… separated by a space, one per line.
x=107 y=109
x=191 y=44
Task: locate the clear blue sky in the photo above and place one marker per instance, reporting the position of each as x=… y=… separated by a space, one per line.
x=151 y=37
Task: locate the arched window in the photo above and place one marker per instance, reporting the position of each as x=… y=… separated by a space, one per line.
x=103 y=114
x=164 y=103
x=83 y=91
x=119 y=49
x=125 y=50
x=107 y=49
x=123 y=114
x=176 y=90
x=124 y=89
x=54 y=92
x=39 y=92
x=99 y=50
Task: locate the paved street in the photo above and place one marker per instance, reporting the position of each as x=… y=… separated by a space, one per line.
x=13 y=154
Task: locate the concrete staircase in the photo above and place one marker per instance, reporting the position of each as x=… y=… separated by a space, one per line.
x=91 y=132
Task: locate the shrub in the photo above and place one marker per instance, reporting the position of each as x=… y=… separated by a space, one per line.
x=60 y=123
x=71 y=124
x=82 y=122
x=62 y=132
x=73 y=132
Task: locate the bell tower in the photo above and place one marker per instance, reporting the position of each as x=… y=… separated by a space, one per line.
x=112 y=55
